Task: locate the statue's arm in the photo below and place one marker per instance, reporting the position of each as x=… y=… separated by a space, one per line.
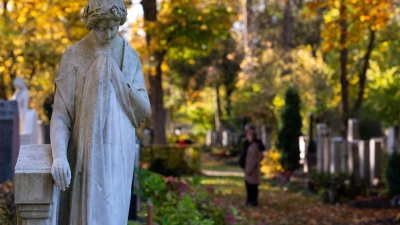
x=139 y=96
x=60 y=128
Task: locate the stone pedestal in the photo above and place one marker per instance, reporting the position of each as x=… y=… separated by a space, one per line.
x=36 y=198
x=9 y=139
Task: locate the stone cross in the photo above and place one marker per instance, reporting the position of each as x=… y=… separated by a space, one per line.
x=9 y=138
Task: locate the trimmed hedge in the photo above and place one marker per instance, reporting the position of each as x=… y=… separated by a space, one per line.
x=172 y=160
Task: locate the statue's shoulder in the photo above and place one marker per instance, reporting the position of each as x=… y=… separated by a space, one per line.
x=129 y=50
x=70 y=54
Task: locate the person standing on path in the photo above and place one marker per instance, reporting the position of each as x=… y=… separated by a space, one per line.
x=252 y=168
x=246 y=144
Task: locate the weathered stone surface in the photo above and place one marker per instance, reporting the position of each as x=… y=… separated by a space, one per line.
x=35 y=196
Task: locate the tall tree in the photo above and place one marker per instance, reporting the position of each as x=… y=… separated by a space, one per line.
x=290 y=131
x=155 y=58
x=347 y=23
x=34 y=35
x=180 y=29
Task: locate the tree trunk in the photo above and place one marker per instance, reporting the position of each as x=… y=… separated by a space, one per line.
x=3 y=94
x=217 y=109
x=248 y=36
x=363 y=75
x=155 y=80
x=287 y=26
x=343 y=71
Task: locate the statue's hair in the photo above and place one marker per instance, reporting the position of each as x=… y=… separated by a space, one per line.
x=94 y=12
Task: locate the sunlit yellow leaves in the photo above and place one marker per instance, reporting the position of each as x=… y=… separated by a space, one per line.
x=359 y=15
x=256 y=87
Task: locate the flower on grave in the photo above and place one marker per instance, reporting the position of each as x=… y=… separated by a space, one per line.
x=210 y=189
x=230 y=218
x=217 y=201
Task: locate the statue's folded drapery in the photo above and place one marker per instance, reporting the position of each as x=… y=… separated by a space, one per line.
x=97 y=108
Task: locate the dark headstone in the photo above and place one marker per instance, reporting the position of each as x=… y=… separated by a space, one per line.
x=9 y=139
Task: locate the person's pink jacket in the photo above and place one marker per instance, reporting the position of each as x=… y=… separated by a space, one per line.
x=253 y=160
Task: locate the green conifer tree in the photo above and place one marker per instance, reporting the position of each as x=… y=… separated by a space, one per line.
x=289 y=131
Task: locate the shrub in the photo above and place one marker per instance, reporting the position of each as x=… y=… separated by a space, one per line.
x=393 y=173
x=7 y=207
x=270 y=164
x=183 y=202
x=172 y=160
x=339 y=187
x=290 y=130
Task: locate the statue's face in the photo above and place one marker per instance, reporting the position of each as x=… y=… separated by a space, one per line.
x=106 y=30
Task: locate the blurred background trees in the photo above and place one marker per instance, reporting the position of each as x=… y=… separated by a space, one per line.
x=218 y=64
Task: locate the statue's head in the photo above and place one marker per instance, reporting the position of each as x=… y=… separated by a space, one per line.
x=98 y=10
x=19 y=83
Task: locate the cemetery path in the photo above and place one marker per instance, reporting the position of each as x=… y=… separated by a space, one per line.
x=286 y=203
x=278 y=205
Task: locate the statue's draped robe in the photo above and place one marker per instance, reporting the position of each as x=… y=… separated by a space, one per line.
x=97 y=108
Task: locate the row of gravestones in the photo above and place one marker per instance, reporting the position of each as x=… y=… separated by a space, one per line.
x=334 y=154
x=227 y=138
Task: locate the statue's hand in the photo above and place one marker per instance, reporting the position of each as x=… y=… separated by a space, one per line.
x=61 y=173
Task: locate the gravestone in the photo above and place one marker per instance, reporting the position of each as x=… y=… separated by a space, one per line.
x=337 y=153
x=352 y=130
x=214 y=138
x=9 y=138
x=209 y=138
x=322 y=131
x=390 y=139
x=303 y=143
x=363 y=154
x=353 y=158
x=226 y=138
x=146 y=137
x=235 y=138
x=375 y=159
x=326 y=154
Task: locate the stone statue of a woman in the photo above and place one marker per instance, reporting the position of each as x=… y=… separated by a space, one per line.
x=100 y=99
x=21 y=95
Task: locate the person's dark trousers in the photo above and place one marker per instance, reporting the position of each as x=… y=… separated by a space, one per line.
x=252 y=194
